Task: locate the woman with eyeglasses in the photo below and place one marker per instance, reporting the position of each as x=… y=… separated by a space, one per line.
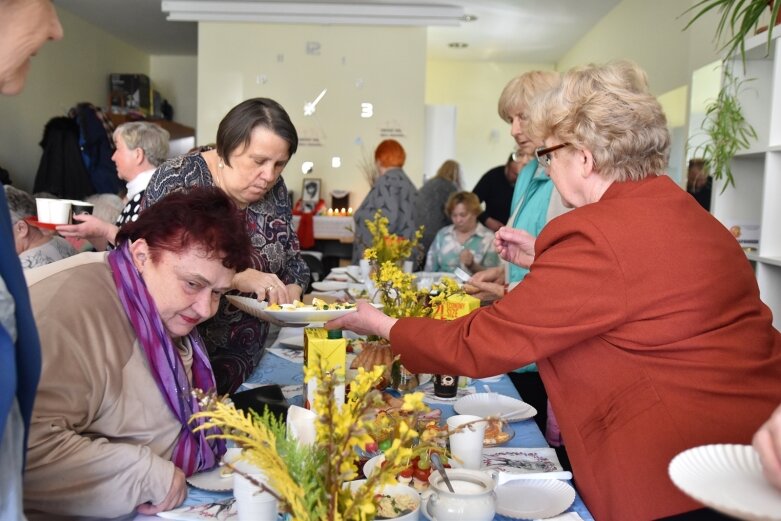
x=637 y=344
x=534 y=202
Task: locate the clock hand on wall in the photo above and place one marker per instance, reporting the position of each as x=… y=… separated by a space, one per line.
x=310 y=107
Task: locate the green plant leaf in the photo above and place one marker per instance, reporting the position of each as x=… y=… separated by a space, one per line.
x=726 y=129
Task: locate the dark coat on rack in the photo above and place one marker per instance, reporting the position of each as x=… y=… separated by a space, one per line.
x=97 y=147
x=61 y=171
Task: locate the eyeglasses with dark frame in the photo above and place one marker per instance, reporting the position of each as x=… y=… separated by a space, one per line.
x=517 y=156
x=543 y=154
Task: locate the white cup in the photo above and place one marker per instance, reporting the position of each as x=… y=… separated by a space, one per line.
x=365 y=269
x=251 y=504
x=355 y=271
x=407 y=266
x=42 y=208
x=59 y=211
x=466 y=445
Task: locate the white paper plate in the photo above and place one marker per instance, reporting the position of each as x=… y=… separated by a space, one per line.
x=491 y=379
x=329 y=285
x=534 y=498
x=214 y=480
x=493 y=404
x=727 y=478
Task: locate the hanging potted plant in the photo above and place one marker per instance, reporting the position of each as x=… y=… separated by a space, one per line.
x=724 y=123
x=727 y=130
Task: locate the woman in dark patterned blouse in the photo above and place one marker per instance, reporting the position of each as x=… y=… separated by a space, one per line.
x=255 y=140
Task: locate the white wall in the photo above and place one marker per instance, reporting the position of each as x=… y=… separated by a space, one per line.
x=483 y=140
x=384 y=66
x=388 y=64
x=651 y=34
x=176 y=78
x=63 y=73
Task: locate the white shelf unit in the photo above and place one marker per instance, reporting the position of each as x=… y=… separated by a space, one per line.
x=756 y=196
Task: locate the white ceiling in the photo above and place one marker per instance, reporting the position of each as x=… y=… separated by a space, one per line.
x=532 y=31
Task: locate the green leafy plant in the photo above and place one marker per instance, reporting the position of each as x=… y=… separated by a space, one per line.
x=741 y=17
x=727 y=130
x=725 y=125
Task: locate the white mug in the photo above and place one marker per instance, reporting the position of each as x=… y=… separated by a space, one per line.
x=251 y=504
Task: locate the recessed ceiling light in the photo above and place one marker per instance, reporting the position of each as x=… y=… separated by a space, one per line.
x=468 y=18
x=458 y=45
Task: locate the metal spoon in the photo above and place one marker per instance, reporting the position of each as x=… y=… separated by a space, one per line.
x=438 y=465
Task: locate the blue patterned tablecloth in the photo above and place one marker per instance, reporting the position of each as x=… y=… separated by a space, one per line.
x=273 y=369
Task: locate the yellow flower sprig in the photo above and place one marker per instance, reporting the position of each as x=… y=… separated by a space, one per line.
x=400 y=296
x=311 y=480
x=255 y=434
x=386 y=246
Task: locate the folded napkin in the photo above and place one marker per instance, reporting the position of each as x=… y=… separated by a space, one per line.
x=301 y=424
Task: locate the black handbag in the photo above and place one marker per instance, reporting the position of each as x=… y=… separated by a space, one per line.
x=266 y=397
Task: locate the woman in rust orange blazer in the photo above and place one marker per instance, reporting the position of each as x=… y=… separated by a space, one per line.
x=640 y=308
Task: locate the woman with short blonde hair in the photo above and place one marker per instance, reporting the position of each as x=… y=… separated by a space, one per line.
x=589 y=111
x=518 y=95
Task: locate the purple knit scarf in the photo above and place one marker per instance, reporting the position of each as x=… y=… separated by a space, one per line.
x=193 y=452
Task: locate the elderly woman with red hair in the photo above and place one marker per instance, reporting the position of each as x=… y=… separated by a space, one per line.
x=110 y=430
x=393 y=193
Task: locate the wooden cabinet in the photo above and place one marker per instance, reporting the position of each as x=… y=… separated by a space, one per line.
x=756 y=196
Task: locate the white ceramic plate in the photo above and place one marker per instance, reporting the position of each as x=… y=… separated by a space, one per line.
x=493 y=404
x=329 y=285
x=534 y=498
x=302 y=315
x=342 y=269
x=214 y=480
x=727 y=478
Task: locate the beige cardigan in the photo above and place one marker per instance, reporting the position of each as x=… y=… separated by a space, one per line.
x=101 y=434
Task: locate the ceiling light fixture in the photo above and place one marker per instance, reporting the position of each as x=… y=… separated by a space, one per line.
x=313 y=13
x=458 y=45
x=468 y=18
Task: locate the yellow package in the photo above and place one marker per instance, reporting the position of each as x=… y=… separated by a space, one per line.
x=456 y=306
x=331 y=353
x=309 y=333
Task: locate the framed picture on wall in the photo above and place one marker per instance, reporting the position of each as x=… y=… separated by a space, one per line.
x=311 y=190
